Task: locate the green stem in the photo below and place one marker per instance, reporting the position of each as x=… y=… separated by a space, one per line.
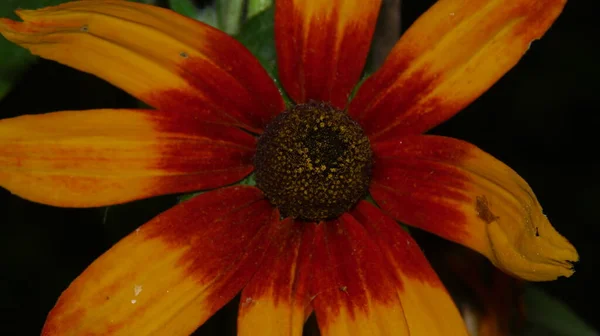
x=257 y=6
x=229 y=15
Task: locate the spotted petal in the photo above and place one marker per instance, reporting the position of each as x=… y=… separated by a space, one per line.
x=165 y=59
x=173 y=273
x=453 y=189
x=102 y=157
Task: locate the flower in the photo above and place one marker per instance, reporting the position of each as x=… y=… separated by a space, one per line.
x=349 y=262
x=491 y=302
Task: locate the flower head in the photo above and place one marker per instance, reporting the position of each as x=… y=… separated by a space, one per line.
x=305 y=239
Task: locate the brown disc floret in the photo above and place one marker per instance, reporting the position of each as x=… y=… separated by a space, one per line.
x=313 y=162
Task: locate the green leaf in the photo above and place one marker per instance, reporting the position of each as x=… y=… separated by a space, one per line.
x=186 y=197
x=257 y=6
x=548 y=316
x=258 y=35
x=250 y=180
x=5 y=87
x=14 y=58
x=184 y=7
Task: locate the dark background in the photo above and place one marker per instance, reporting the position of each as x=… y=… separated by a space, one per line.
x=541 y=119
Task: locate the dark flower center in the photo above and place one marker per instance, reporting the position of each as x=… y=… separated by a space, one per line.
x=313 y=162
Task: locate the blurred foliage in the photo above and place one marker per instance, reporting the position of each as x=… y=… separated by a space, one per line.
x=185 y=7
x=549 y=316
x=258 y=36
x=229 y=15
x=208 y=15
x=257 y=6
x=14 y=58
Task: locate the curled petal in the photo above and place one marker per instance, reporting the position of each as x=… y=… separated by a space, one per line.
x=173 y=273
x=164 y=59
x=448 y=58
x=102 y=157
x=453 y=189
x=322 y=47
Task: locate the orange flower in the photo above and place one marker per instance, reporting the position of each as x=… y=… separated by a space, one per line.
x=333 y=253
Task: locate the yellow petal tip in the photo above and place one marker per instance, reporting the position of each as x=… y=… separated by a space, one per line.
x=539 y=254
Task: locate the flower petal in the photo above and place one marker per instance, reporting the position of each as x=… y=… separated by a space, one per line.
x=453 y=189
x=354 y=292
x=164 y=59
x=322 y=47
x=173 y=273
x=102 y=157
x=448 y=58
x=428 y=308
x=495 y=306
x=276 y=300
